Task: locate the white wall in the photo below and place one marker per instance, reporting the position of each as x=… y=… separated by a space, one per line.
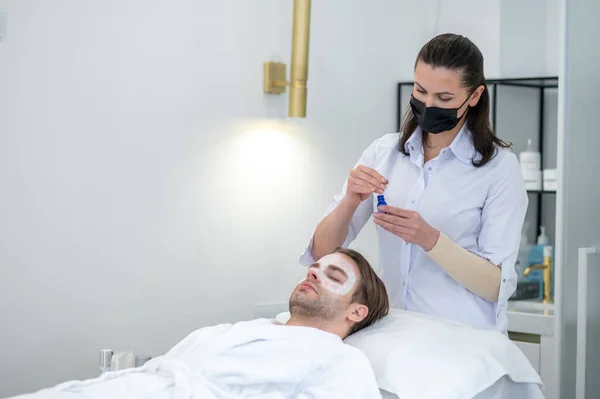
x=528 y=38
x=140 y=197
x=523 y=38
x=148 y=185
x=479 y=21
x=529 y=48
x=552 y=36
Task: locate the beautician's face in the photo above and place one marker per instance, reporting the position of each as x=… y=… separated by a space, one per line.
x=328 y=288
x=439 y=87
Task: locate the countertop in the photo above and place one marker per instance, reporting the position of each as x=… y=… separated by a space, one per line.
x=531 y=317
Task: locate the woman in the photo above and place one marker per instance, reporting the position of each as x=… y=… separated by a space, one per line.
x=449 y=236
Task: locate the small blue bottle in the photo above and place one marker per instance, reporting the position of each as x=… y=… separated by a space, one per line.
x=380 y=202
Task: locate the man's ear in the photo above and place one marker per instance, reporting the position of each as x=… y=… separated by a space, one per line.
x=358 y=312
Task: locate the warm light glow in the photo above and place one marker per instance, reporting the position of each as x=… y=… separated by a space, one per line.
x=248 y=179
x=264 y=162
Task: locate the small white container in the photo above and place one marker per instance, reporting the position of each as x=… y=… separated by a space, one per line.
x=550 y=176
x=530 y=159
x=105 y=361
x=532 y=178
x=122 y=360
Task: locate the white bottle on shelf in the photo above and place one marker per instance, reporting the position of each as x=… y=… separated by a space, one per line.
x=530 y=159
x=542 y=239
x=531 y=167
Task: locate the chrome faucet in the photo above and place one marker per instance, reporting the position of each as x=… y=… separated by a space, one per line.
x=547 y=268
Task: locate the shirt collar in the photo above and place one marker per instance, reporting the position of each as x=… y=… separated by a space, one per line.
x=414 y=145
x=462 y=145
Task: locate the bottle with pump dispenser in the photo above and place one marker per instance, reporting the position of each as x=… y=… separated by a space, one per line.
x=543 y=238
x=531 y=167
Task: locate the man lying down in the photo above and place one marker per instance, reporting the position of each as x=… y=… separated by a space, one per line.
x=259 y=359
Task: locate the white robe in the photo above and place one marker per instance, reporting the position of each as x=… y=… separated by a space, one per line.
x=258 y=359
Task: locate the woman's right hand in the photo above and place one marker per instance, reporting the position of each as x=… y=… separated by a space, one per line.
x=364 y=181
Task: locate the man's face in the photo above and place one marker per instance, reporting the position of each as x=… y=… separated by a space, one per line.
x=328 y=288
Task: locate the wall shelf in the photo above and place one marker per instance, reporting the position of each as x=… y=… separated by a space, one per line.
x=541 y=192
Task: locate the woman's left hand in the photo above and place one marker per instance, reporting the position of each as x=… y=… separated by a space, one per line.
x=408 y=225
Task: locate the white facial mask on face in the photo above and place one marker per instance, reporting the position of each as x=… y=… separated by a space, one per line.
x=342 y=262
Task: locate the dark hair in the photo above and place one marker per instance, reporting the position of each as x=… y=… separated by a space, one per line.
x=370 y=292
x=458 y=53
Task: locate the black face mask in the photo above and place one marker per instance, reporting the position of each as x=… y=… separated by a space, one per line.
x=434 y=119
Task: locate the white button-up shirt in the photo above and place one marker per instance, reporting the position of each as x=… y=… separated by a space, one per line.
x=482 y=209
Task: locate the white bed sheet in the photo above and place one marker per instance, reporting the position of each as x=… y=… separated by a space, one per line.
x=504 y=388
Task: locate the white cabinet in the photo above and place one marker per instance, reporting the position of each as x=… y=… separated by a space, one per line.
x=548 y=365
x=532 y=330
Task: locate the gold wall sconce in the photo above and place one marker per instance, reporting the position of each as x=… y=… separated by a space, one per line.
x=275 y=72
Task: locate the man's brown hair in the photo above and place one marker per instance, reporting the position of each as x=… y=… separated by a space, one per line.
x=370 y=291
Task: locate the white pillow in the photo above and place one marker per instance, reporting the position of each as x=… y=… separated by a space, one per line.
x=418 y=356
x=283 y=317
